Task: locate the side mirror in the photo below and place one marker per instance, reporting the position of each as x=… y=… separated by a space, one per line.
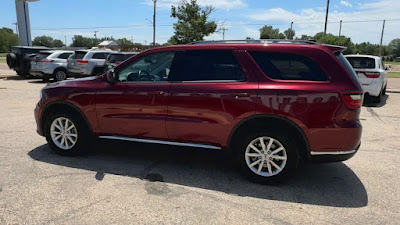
x=110 y=77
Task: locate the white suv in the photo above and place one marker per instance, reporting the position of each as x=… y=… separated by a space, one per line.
x=87 y=62
x=50 y=64
x=371 y=73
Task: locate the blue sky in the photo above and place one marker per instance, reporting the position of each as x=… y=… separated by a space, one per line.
x=242 y=18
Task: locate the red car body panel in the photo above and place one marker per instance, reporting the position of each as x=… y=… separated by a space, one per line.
x=208 y=112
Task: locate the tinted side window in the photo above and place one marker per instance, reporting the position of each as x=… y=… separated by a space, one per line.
x=64 y=55
x=209 y=65
x=99 y=56
x=287 y=66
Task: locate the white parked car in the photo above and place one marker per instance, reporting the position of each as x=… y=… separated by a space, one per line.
x=371 y=73
x=87 y=62
x=50 y=64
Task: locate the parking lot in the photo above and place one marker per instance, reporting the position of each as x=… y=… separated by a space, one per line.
x=152 y=184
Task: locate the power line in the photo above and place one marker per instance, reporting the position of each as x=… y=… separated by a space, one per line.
x=232 y=24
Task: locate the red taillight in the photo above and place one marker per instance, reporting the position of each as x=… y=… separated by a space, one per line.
x=371 y=74
x=82 y=61
x=46 y=60
x=117 y=63
x=352 y=100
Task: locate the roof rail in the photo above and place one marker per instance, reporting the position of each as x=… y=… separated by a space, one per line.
x=261 y=41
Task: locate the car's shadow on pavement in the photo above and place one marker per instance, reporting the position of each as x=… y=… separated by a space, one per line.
x=317 y=184
x=368 y=103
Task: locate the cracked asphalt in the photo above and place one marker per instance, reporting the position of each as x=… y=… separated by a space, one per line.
x=150 y=184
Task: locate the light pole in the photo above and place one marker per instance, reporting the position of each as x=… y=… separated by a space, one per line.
x=291 y=31
x=154 y=22
x=340 y=29
x=326 y=19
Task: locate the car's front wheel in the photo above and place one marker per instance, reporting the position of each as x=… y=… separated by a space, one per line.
x=60 y=75
x=267 y=156
x=66 y=134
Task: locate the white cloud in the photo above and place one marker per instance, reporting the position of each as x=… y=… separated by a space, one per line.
x=311 y=21
x=219 y=4
x=346 y=3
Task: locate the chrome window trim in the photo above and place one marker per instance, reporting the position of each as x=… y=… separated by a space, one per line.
x=151 y=141
x=333 y=152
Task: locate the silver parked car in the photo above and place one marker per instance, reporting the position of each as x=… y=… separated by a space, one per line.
x=50 y=64
x=87 y=62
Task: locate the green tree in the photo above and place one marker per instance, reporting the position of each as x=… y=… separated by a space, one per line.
x=7 y=39
x=394 y=46
x=47 y=41
x=58 y=43
x=290 y=33
x=123 y=42
x=80 y=41
x=268 y=32
x=331 y=39
x=193 y=22
x=305 y=37
x=43 y=41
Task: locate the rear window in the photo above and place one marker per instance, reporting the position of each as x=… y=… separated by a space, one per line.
x=78 y=55
x=209 y=65
x=42 y=56
x=64 y=55
x=362 y=62
x=287 y=66
x=127 y=56
x=116 y=58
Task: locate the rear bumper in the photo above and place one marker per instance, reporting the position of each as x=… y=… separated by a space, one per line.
x=374 y=88
x=333 y=156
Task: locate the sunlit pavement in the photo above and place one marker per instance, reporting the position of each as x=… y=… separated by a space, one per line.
x=151 y=184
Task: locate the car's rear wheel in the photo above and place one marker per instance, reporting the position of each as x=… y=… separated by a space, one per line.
x=66 y=134
x=267 y=156
x=60 y=75
x=384 y=91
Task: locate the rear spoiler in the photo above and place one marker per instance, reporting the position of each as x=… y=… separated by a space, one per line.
x=336 y=49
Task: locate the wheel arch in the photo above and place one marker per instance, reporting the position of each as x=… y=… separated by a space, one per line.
x=62 y=106
x=265 y=120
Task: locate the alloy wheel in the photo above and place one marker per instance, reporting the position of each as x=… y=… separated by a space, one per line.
x=63 y=133
x=61 y=75
x=266 y=156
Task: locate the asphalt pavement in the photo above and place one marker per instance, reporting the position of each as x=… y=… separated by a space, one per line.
x=150 y=184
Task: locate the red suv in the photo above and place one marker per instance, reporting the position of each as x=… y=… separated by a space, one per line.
x=270 y=104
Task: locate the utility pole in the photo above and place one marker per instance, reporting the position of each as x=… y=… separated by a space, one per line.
x=340 y=29
x=132 y=39
x=145 y=43
x=291 y=31
x=326 y=20
x=383 y=30
x=223 y=33
x=154 y=22
x=16 y=28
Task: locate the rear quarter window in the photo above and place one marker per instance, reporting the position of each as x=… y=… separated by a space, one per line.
x=287 y=66
x=100 y=55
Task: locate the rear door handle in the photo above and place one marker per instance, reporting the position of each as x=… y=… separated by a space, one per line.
x=241 y=95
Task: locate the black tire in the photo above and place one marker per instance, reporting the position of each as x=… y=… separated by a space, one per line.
x=11 y=60
x=290 y=147
x=384 y=91
x=98 y=71
x=84 y=136
x=45 y=79
x=60 y=74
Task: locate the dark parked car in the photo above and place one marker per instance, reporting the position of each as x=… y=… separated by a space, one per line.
x=19 y=59
x=114 y=59
x=269 y=104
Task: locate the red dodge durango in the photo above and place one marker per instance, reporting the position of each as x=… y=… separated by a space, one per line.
x=269 y=103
